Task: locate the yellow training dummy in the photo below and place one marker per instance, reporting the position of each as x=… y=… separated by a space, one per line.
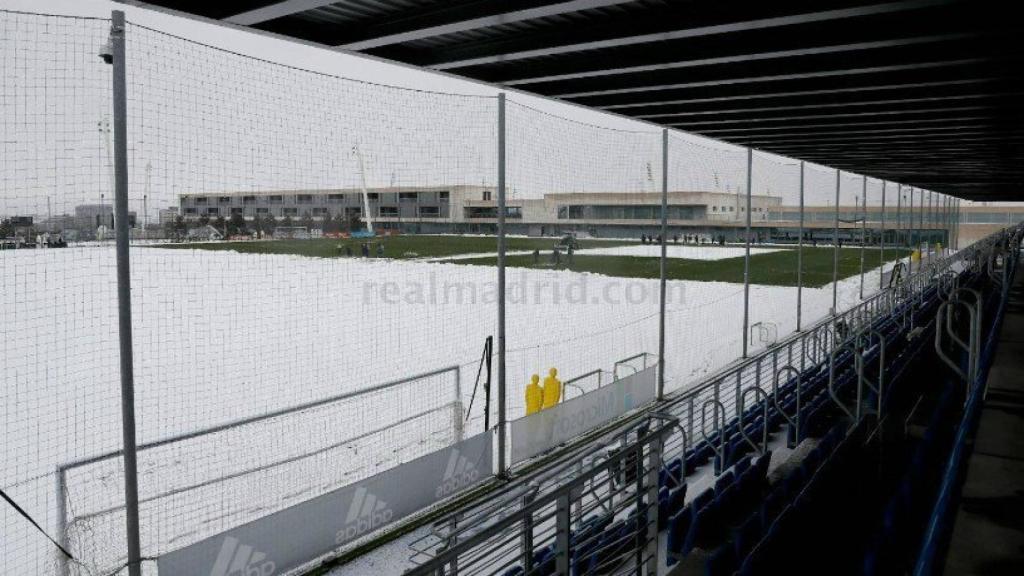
x=534 y=396
x=552 y=389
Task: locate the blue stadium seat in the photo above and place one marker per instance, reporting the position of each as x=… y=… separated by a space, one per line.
x=678 y=528
x=721 y=562
x=747 y=535
x=724 y=481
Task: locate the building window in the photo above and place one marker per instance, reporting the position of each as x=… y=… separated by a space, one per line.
x=200 y=200
x=714 y=208
x=487 y=195
x=408 y=196
x=388 y=211
x=276 y=199
x=335 y=198
x=732 y=208
x=248 y=199
x=373 y=195
x=213 y=211
x=443 y=195
x=239 y=211
x=290 y=211
x=263 y=211
x=353 y=211
x=224 y=200
x=320 y=212
x=304 y=198
x=430 y=212
x=190 y=210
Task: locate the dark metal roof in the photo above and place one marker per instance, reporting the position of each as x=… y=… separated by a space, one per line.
x=924 y=92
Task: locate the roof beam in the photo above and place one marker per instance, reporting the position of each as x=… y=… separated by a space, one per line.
x=797 y=93
x=775 y=78
x=775 y=55
x=851 y=127
x=761 y=24
x=720 y=111
x=276 y=10
x=843 y=115
x=482 y=22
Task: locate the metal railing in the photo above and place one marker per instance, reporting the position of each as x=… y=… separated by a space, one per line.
x=932 y=549
x=565 y=516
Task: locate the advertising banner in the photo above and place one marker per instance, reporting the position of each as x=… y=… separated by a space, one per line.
x=302 y=533
x=542 y=431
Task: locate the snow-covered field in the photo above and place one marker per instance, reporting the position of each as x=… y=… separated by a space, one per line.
x=220 y=336
x=708 y=252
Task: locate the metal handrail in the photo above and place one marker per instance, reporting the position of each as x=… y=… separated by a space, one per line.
x=720 y=430
x=853 y=414
x=795 y=420
x=764 y=428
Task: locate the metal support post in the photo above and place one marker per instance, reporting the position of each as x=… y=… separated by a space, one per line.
x=663 y=271
x=746 y=258
x=131 y=487
x=863 y=229
x=502 y=465
x=563 y=528
x=800 y=255
x=835 y=251
x=881 y=240
x=910 y=233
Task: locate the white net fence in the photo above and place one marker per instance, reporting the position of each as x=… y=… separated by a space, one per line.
x=313 y=274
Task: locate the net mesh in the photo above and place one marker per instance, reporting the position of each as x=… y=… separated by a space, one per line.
x=262 y=305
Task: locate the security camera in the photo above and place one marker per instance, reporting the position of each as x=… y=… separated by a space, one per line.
x=107 y=52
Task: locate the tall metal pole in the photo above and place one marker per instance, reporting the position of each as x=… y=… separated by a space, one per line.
x=800 y=255
x=920 y=223
x=900 y=240
x=881 y=240
x=502 y=466
x=663 y=264
x=746 y=258
x=863 y=229
x=835 y=251
x=910 y=233
x=124 y=303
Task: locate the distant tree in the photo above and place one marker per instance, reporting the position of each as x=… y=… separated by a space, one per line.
x=327 y=223
x=287 y=222
x=204 y=220
x=307 y=220
x=6 y=229
x=220 y=224
x=354 y=223
x=237 y=225
x=269 y=223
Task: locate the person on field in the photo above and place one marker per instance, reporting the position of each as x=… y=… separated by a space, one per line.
x=552 y=389
x=534 y=395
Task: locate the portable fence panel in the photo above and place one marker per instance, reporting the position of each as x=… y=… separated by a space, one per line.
x=59 y=386
x=250 y=354
x=775 y=257
x=704 y=311
x=577 y=304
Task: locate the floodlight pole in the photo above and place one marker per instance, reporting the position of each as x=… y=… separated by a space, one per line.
x=663 y=264
x=131 y=487
x=502 y=465
x=746 y=257
x=835 y=250
x=800 y=254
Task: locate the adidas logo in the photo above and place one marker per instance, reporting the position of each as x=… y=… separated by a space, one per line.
x=459 y=473
x=366 y=513
x=236 y=559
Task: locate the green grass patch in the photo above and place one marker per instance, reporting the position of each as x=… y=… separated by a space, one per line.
x=774 y=268
x=398 y=247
